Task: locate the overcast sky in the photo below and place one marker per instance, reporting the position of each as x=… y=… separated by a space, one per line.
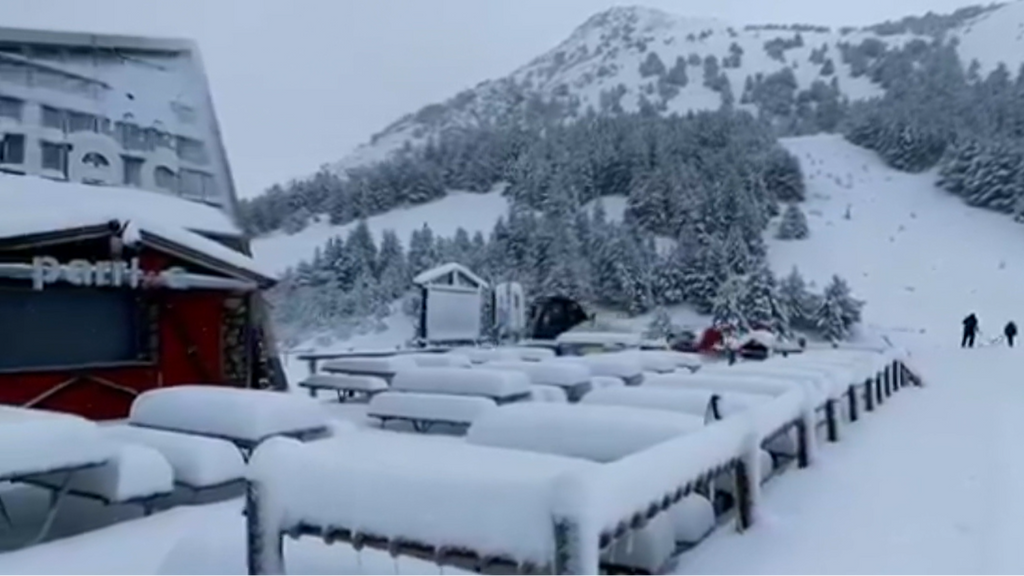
x=323 y=75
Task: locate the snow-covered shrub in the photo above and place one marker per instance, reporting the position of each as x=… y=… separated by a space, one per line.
x=660 y=325
x=794 y=224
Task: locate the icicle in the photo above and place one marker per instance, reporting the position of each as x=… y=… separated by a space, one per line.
x=629 y=541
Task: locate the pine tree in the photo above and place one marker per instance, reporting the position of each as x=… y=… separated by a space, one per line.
x=727 y=306
x=828 y=319
x=364 y=251
x=461 y=247
x=705 y=273
x=784 y=177
x=423 y=253
x=737 y=252
x=850 y=308
x=652 y=66
x=676 y=76
x=796 y=300
x=763 y=306
x=794 y=224
x=669 y=281
x=393 y=271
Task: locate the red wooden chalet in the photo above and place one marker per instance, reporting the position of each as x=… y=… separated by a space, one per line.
x=106 y=293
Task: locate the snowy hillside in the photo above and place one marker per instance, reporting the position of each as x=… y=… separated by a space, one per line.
x=916 y=254
x=626 y=56
x=801 y=78
x=919 y=257
x=994 y=37
x=472 y=212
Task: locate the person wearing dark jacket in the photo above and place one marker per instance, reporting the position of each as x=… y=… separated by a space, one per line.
x=970 y=331
x=1010 y=331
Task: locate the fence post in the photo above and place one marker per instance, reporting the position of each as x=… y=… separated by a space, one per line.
x=262 y=556
x=567 y=548
x=889 y=384
x=803 y=459
x=830 y=421
x=901 y=375
x=869 y=393
x=851 y=393
x=744 y=502
x=880 y=398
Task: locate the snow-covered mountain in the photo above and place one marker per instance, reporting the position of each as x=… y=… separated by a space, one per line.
x=625 y=58
x=629 y=57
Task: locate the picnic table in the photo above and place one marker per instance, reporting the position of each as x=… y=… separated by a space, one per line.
x=35 y=442
x=241 y=416
x=313 y=360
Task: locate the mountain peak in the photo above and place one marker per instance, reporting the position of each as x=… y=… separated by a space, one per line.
x=634 y=14
x=635 y=18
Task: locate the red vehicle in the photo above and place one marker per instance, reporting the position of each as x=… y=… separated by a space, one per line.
x=710 y=341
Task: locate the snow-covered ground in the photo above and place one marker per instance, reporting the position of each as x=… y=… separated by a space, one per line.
x=928 y=484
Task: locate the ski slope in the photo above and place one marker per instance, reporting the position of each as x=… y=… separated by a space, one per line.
x=920 y=257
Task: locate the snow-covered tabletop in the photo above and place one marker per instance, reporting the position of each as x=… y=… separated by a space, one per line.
x=499 y=502
x=37 y=441
x=593 y=432
x=242 y=416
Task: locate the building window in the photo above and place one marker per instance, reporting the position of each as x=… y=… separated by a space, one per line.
x=12 y=149
x=166 y=179
x=197 y=185
x=96 y=160
x=53 y=118
x=14 y=72
x=64 y=326
x=82 y=122
x=11 y=108
x=191 y=150
x=55 y=157
x=132 y=137
x=49 y=79
x=132 y=171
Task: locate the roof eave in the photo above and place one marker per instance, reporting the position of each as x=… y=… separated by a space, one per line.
x=187 y=254
x=109 y=41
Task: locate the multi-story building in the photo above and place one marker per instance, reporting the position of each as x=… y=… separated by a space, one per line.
x=111 y=110
x=122 y=266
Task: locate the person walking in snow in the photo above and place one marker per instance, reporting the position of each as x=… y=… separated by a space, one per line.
x=970 y=331
x=1010 y=331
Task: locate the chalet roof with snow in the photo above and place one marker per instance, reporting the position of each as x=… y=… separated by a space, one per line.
x=37 y=211
x=453 y=274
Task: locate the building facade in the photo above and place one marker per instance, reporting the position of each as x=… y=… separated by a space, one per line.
x=112 y=164
x=111 y=110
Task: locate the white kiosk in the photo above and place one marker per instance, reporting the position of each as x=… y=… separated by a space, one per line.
x=452 y=305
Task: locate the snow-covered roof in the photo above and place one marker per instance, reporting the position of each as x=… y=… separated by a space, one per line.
x=429 y=276
x=31 y=205
x=762 y=337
